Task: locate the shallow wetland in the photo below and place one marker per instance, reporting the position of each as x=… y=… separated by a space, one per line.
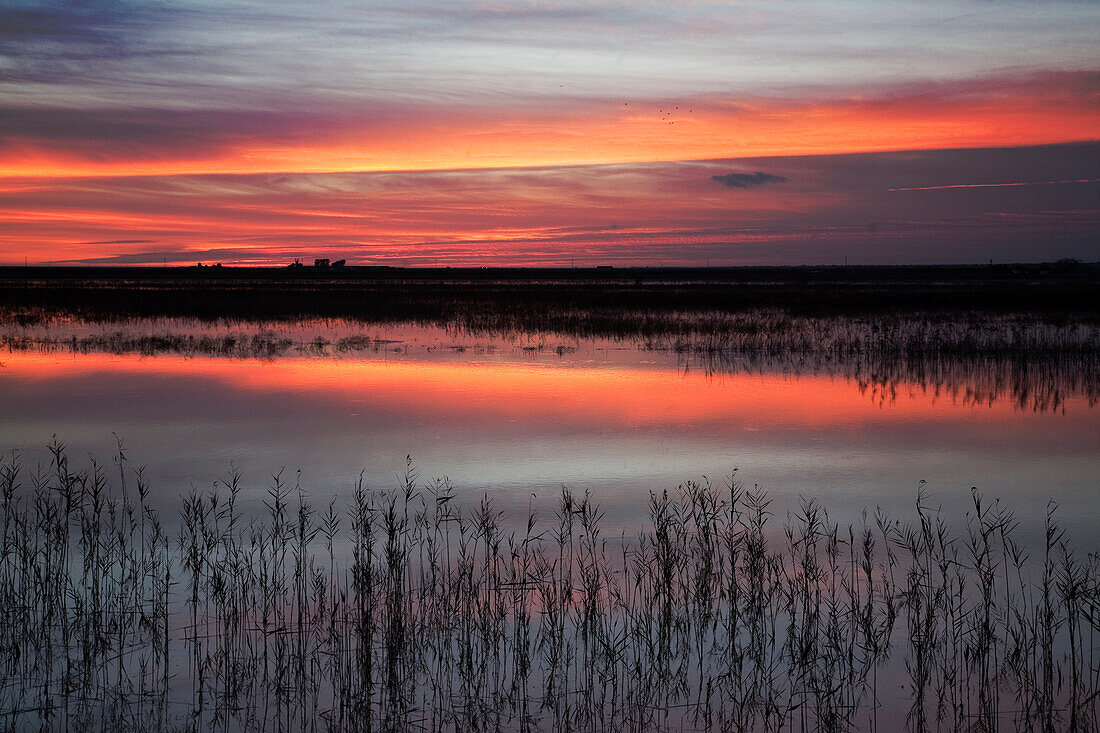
x=700 y=515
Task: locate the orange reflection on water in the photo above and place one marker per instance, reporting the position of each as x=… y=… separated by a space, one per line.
x=606 y=396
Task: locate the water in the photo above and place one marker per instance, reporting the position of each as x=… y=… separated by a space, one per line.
x=518 y=417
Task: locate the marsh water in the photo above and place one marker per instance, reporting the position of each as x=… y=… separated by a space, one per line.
x=517 y=416
x=701 y=615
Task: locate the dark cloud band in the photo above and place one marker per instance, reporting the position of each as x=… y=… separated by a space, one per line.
x=747 y=180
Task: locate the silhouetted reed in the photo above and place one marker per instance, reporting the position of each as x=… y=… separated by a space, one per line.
x=411 y=610
x=973 y=358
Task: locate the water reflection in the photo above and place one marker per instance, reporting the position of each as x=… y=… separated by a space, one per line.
x=1053 y=365
x=518 y=415
x=523 y=414
x=1030 y=382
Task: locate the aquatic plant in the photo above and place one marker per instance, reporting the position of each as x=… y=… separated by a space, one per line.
x=408 y=609
x=973 y=358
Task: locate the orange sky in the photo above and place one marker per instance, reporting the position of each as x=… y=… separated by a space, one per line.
x=893 y=208
x=1007 y=112
x=128 y=132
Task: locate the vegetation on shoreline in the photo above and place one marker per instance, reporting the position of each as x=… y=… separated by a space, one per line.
x=759 y=331
x=407 y=610
x=974 y=357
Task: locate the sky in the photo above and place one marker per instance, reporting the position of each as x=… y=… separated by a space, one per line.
x=640 y=132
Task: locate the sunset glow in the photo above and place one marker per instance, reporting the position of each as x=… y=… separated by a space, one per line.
x=545 y=134
x=1004 y=112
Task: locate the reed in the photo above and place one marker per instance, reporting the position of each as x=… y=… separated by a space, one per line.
x=409 y=609
x=975 y=358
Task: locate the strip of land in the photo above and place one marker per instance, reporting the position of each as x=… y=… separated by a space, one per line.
x=528 y=297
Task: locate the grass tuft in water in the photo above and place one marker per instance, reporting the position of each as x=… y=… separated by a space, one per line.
x=408 y=609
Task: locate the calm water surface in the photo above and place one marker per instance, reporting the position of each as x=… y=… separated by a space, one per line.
x=519 y=417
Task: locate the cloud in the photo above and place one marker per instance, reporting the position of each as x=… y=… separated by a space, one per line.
x=182 y=255
x=123 y=241
x=833 y=206
x=747 y=180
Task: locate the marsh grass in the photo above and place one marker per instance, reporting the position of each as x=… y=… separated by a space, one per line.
x=664 y=324
x=969 y=357
x=254 y=343
x=408 y=609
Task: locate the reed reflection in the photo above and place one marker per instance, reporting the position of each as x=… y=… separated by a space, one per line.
x=1035 y=366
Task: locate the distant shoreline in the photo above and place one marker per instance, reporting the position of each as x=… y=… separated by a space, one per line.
x=754 y=273
x=538 y=298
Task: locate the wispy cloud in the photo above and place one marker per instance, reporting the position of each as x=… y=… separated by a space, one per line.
x=996 y=185
x=177 y=256
x=671 y=213
x=747 y=180
x=415 y=135
x=466 y=50
x=122 y=241
x=206 y=102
